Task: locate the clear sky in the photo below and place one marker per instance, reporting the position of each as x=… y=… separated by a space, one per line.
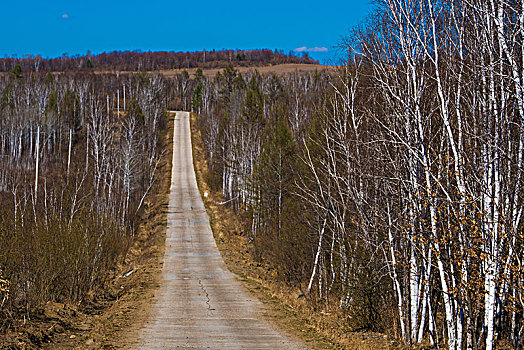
x=52 y=28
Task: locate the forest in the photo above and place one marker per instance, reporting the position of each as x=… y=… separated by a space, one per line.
x=392 y=193
x=137 y=61
x=78 y=156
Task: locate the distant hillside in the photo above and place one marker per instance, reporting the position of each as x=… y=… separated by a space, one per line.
x=149 y=61
x=278 y=69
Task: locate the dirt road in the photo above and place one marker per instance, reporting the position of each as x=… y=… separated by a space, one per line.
x=200 y=304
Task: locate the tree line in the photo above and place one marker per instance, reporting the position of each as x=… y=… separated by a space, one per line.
x=393 y=192
x=79 y=153
x=137 y=61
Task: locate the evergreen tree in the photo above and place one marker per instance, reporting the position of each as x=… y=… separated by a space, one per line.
x=70 y=109
x=227 y=78
x=51 y=108
x=196 y=100
x=274 y=183
x=17 y=71
x=254 y=103
x=133 y=110
x=4 y=103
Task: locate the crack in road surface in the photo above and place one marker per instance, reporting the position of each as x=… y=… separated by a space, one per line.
x=207 y=296
x=181 y=317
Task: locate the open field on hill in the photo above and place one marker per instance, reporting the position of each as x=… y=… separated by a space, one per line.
x=277 y=69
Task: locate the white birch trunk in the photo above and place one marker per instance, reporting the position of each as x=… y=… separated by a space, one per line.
x=37 y=162
x=317 y=255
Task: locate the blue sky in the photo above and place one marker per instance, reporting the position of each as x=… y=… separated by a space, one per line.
x=52 y=28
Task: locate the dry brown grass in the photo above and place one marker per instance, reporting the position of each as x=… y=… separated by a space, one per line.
x=292 y=314
x=279 y=69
